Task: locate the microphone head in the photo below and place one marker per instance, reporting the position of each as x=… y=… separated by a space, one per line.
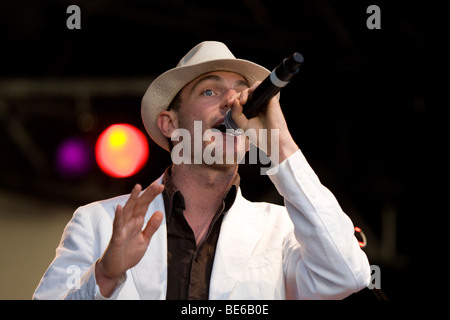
x=229 y=122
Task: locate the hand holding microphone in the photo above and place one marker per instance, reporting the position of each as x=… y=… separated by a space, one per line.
x=278 y=78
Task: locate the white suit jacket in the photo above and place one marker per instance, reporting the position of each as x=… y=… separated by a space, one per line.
x=303 y=250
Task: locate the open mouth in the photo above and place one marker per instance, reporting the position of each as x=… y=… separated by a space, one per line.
x=221 y=127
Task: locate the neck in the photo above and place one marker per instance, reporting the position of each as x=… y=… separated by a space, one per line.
x=203 y=190
x=203 y=186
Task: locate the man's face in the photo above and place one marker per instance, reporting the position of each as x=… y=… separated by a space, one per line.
x=206 y=99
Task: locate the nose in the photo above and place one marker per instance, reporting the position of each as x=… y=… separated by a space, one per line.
x=228 y=99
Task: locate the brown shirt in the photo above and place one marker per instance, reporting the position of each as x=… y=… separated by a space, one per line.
x=189 y=267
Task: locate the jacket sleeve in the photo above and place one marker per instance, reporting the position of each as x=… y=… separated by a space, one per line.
x=322 y=258
x=71 y=275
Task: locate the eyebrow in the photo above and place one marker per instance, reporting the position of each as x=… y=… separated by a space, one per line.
x=216 y=78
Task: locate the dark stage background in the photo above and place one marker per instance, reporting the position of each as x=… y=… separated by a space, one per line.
x=361 y=110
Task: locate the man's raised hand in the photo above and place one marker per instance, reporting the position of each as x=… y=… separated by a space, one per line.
x=129 y=241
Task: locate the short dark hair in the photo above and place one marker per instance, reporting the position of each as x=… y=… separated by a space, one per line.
x=174 y=105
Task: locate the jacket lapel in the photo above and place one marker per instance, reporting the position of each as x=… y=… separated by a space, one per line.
x=241 y=230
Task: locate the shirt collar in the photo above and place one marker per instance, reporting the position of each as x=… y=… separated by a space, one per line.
x=173 y=198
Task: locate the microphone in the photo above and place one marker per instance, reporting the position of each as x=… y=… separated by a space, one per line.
x=257 y=102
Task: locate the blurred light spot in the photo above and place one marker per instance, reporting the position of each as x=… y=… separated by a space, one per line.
x=73 y=157
x=121 y=150
x=361 y=237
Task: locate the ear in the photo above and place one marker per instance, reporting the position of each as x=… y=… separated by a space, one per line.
x=167 y=122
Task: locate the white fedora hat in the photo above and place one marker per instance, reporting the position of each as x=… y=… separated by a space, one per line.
x=205 y=57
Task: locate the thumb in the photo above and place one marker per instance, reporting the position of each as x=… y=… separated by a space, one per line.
x=237 y=114
x=152 y=225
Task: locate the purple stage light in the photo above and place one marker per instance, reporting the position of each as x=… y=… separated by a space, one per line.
x=74 y=158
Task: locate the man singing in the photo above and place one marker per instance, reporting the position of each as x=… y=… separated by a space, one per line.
x=191 y=234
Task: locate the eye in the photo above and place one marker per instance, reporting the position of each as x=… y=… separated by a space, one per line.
x=208 y=93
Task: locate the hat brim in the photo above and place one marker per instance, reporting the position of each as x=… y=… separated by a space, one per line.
x=163 y=89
